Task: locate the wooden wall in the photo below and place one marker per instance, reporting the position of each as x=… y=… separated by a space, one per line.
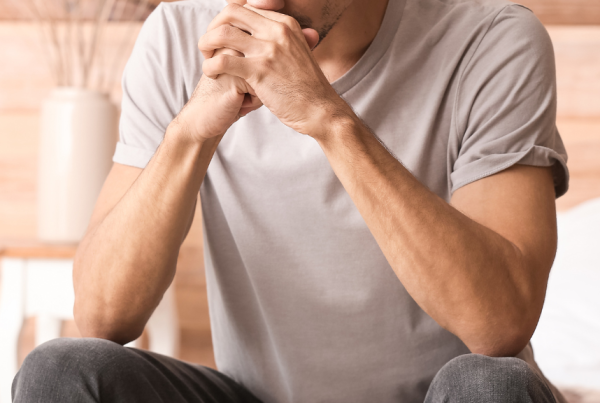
x=565 y=12
x=551 y=12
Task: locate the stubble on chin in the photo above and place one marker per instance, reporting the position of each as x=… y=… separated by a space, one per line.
x=329 y=15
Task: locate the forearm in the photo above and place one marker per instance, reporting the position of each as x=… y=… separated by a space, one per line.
x=127 y=261
x=468 y=278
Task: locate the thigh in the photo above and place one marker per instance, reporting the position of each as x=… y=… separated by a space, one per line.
x=190 y=382
x=96 y=370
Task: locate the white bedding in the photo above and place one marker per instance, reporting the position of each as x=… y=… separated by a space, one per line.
x=567 y=340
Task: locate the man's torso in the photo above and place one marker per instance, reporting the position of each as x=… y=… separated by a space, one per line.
x=304 y=306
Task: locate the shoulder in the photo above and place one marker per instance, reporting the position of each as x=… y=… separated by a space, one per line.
x=515 y=36
x=168 y=39
x=479 y=8
x=185 y=20
x=187 y=8
x=462 y=25
x=495 y=27
x=519 y=25
x=505 y=21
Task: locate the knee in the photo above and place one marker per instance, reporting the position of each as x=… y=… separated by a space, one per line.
x=64 y=359
x=479 y=370
x=70 y=355
x=472 y=377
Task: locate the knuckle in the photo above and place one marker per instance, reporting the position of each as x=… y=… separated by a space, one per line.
x=221 y=62
x=227 y=51
x=206 y=67
x=214 y=66
x=202 y=42
x=282 y=31
x=257 y=78
x=225 y=30
x=271 y=50
x=231 y=8
x=264 y=66
x=291 y=22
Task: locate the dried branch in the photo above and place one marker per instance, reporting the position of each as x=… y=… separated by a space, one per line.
x=119 y=10
x=117 y=15
x=80 y=40
x=54 y=41
x=126 y=40
x=45 y=41
x=107 y=6
x=74 y=50
x=68 y=45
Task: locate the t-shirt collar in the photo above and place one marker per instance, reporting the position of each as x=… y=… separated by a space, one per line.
x=375 y=51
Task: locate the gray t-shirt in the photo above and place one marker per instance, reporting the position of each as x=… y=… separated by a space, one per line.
x=304 y=306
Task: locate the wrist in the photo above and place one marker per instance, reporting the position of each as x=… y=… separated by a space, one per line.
x=335 y=123
x=178 y=135
x=190 y=124
x=182 y=145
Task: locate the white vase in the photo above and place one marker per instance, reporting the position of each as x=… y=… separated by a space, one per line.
x=78 y=135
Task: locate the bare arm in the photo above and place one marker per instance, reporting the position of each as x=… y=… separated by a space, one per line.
x=128 y=256
x=478 y=266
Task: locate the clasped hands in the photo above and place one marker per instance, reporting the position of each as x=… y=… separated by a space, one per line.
x=255 y=57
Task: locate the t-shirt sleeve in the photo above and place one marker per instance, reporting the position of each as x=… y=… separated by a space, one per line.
x=152 y=91
x=506 y=109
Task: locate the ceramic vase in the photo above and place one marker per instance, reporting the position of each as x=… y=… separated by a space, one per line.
x=78 y=136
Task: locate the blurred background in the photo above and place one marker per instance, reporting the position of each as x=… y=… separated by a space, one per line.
x=29 y=71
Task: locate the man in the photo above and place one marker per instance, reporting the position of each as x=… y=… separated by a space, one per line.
x=382 y=230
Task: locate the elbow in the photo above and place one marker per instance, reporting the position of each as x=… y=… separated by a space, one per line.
x=503 y=348
x=104 y=326
x=507 y=340
x=95 y=315
x=506 y=329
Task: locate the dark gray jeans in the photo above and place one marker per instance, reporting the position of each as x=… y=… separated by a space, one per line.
x=95 y=370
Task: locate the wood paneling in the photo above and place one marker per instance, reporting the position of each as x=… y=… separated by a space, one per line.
x=549 y=11
x=25 y=80
x=123 y=10
x=32 y=249
x=565 y=12
x=18 y=174
x=577 y=52
x=582 y=140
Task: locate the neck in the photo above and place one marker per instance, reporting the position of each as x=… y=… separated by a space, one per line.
x=349 y=39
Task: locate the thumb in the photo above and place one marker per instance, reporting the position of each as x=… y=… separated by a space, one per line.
x=311 y=36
